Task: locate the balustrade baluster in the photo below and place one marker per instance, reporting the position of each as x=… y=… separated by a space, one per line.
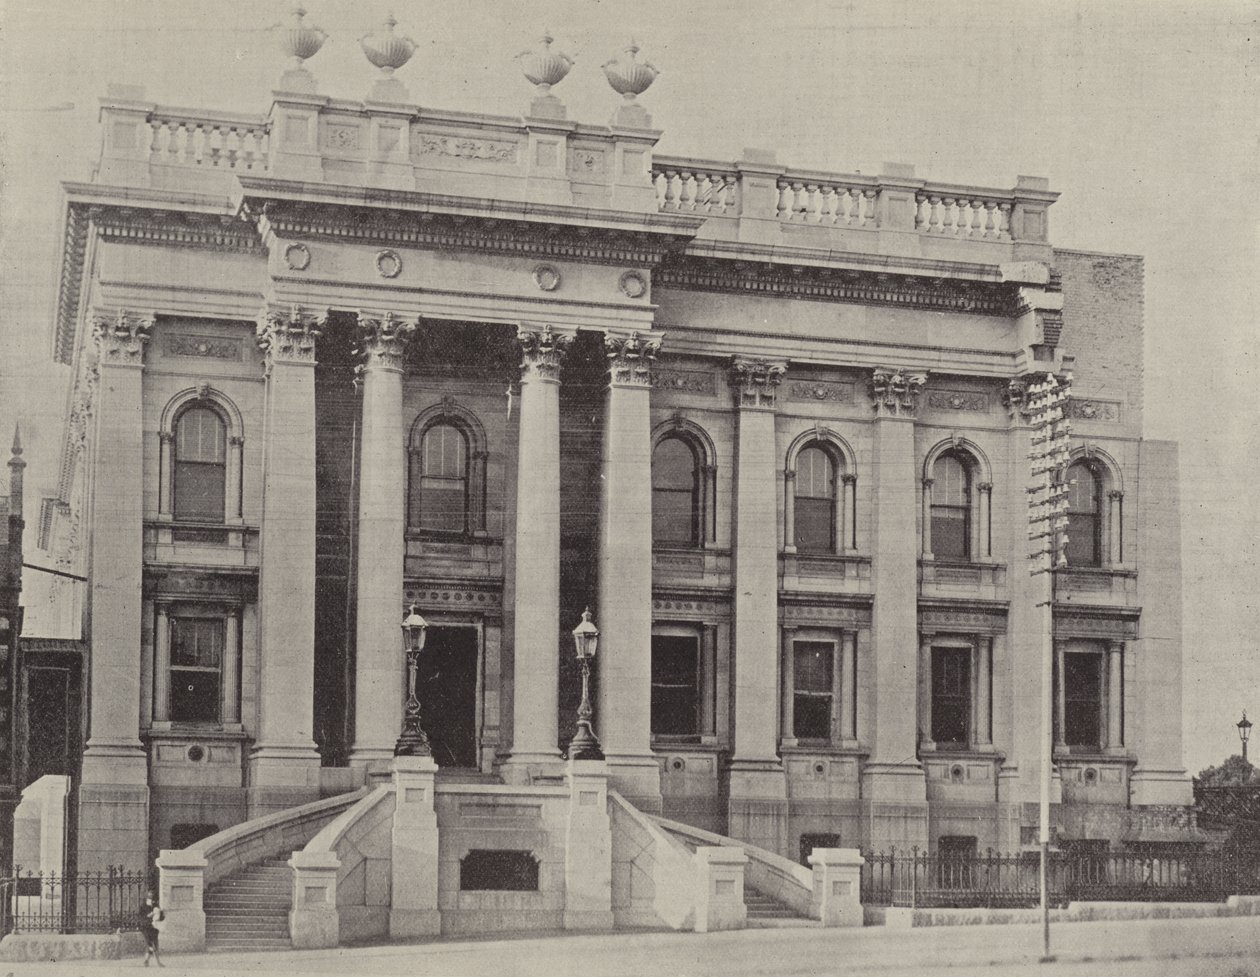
x=174 y=130
x=934 y=223
x=231 y=145
x=830 y=202
x=1004 y=221
x=671 y=199
x=798 y=204
x=990 y=222
x=155 y=146
x=783 y=206
x=868 y=208
x=686 y=197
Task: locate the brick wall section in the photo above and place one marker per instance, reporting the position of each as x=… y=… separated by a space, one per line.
x=1102 y=327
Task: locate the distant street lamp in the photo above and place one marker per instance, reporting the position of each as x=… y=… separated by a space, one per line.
x=1244 y=732
x=585 y=744
x=413 y=741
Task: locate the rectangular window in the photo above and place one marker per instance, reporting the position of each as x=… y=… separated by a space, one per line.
x=1082 y=699
x=199 y=490
x=196 y=669
x=1082 y=548
x=951 y=532
x=675 y=685
x=812 y=664
x=814 y=524
x=951 y=696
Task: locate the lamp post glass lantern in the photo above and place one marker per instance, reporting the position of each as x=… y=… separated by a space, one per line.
x=413 y=741
x=585 y=744
x=1244 y=732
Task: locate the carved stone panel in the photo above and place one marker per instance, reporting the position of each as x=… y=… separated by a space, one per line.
x=214 y=347
x=962 y=618
x=820 y=391
x=959 y=400
x=686 y=381
x=1093 y=410
x=463 y=148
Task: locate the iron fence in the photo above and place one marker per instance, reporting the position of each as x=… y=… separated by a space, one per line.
x=87 y=902
x=920 y=879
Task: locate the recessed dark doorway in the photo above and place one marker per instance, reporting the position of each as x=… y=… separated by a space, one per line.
x=447 y=689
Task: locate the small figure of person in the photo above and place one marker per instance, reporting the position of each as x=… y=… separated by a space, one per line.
x=150 y=915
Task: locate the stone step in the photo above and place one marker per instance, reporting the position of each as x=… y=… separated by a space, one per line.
x=248 y=946
x=256 y=929
x=248 y=899
x=783 y=922
x=247 y=912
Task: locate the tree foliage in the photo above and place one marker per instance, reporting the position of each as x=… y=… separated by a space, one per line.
x=1234 y=772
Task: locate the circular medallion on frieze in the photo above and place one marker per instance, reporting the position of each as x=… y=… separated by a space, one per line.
x=297 y=257
x=633 y=284
x=196 y=753
x=388 y=264
x=547 y=277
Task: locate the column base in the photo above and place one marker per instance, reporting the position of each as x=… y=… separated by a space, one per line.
x=113 y=827
x=1166 y=787
x=280 y=777
x=522 y=769
x=637 y=778
x=757 y=804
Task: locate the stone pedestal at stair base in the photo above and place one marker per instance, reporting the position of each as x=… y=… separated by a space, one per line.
x=757 y=808
x=720 y=888
x=313 y=920
x=181 y=883
x=588 y=848
x=414 y=876
x=837 y=899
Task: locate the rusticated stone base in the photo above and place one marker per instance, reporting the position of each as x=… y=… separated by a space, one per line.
x=27 y=947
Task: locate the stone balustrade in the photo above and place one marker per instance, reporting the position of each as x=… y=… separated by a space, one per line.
x=183 y=137
x=847 y=201
x=695 y=186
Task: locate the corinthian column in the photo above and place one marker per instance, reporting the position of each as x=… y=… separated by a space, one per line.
x=893 y=787
x=537 y=564
x=378 y=668
x=624 y=713
x=757 y=806
x=284 y=767
x=113 y=794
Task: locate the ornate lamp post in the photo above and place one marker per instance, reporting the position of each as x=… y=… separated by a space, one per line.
x=413 y=741
x=1244 y=732
x=585 y=744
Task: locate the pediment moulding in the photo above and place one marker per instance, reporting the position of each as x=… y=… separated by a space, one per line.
x=287 y=334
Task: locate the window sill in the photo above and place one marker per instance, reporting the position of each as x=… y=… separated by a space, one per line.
x=700 y=744
x=822 y=747
x=952 y=751
x=202 y=731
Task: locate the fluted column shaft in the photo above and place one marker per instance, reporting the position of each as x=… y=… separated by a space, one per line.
x=378 y=672
x=846 y=685
x=624 y=703
x=1115 y=695
x=537 y=557
x=284 y=764
x=162 y=665
x=983 y=735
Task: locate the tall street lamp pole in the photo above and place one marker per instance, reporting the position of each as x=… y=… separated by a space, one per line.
x=585 y=744
x=413 y=741
x=1244 y=733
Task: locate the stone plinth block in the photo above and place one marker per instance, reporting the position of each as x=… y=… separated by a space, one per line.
x=588 y=848
x=414 y=850
x=313 y=920
x=181 y=876
x=720 y=888
x=837 y=899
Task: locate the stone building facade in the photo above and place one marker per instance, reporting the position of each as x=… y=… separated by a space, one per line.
x=769 y=424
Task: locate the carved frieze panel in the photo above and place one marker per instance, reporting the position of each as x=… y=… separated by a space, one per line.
x=1066 y=580
x=689 y=608
x=586 y=161
x=686 y=381
x=1093 y=410
x=820 y=391
x=203 y=585
x=463 y=148
x=962 y=618
x=343 y=137
x=1072 y=623
x=213 y=347
x=448 y=597
x=960 y=400
x=836 y=615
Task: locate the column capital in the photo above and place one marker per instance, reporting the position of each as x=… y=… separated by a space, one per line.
x=848 y=478
x=895 y=391
x=121 y=336
x=383 y=338
x=928 y=483
x=542 y=352
x=287 y=334
x=1015 y=399
x=166 y=437
x=756 y=381
x=630 y=357
x=1115 y=646
x=1115 y=495
x=985 y=487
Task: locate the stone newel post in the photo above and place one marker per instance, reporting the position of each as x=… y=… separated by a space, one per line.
x=588 y=848
x=181 y=875
x=414 y=885
x=837 y=899
x=313 y=920
x=720 y=888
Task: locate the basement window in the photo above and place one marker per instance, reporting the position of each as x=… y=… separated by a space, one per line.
x=484 y=870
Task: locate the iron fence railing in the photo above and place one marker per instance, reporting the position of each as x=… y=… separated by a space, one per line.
x=920 y=879
x=88 y=902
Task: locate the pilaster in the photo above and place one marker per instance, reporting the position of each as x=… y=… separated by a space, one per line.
x=113 y=786
x=382 y=527
x=284 y=766
x=537 y=557
x=893 y=788
x=624 y=699
x=757 y=805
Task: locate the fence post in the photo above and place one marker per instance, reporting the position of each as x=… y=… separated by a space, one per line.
x=837 y=896
x=914 y=877
x=181 y=876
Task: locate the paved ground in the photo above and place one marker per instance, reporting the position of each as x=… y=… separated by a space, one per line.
x=1167 y=948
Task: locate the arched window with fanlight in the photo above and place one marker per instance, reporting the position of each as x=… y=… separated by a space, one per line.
x=1085 y=516
x=815 y=510
x=676 y=492
x=440 y=480
x=951 y=507
x=200 y=465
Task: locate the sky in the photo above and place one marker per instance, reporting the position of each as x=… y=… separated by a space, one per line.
x=1142 y=114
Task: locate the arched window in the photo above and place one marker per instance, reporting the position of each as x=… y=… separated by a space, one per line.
x=439 y=481
x=815 y=514
x=200 y=465
x=951 y=507
x=1084 y=529
x=676 y=496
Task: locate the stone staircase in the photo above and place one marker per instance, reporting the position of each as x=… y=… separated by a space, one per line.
x=249 y=909
x=765 y=912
